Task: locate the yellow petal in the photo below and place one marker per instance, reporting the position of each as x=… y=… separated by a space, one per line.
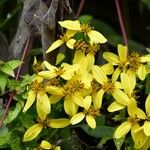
x=140 y=113
x=96 y=37
x=115 y=106
x=116 y=74
x=122 y=130
x=43 y=106
x=77 y=118
x=99 y=75
x=111 y=58
x=69 y=70
x=59 y=58
x=55 y=45
x=70 y=33
x=108 y=68
x=32 y=132
x=57 y=148
x=90 y=60
x=145 y=58
x=127 y=83
x=54 y=99
x=147 y=105
x=87 y=102
x=47 y=74
x=71 y=25
x=98 y=99
x=138 y=137
x=132 y=107
x=142 y=72
x=59 y=123
x=121 y=97
x=122 y=52
x=54 y=90
x=49 y=66
x=30 y=100
x=78 y=99
x=45 y=145
x=70 y=43
x=70 y=107
x=118 y=85
x=91 y=121
x=79 y=57
x=147 y=128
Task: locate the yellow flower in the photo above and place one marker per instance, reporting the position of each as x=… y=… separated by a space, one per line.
x=46 y=145
x=119 y=60
x=137 y=65
x=89 y=113
x=112 y=87
x=95 y=36
x=66 y=38
x=66 y=71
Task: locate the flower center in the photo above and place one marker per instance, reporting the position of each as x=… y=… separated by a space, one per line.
x=93 y=48
x=36 y=85
x=86 y=28
x=60 y=71
x=108 y=87
x=93 y=111
x=53 y=82
x=81 y=45
x=64 y=38
x=72 y=88
x=95 y=86
x=134 y=61
x=133 y=120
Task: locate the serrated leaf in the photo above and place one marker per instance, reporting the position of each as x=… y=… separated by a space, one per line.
x=85 y=18
x=3 y=81
x=6 y=68
x=13 y=114
x=14 y=63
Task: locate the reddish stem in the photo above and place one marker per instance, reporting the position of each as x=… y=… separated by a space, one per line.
x=80 y=8
x=121 y=22
x=16 y=78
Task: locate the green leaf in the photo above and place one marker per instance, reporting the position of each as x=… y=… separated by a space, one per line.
x=6 y=68
x=119 y=142
x=3 y=81
x=13 y=114
x=65 y=133
x=100 y=120
x=147 y=86
x=85 y=18
x=27 y=80
x=99 y=131
x=14 y=63
x=103 y=141
x=4 y=136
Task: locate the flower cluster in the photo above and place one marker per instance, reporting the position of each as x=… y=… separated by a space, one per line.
x=82 y=86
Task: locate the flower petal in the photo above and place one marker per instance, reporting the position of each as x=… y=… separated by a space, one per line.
x=59 y=123
x=49 y=66
x=145 y=58
x=132 y=107
x=78 y=99
x=87 y=102
x=111 y=58
x=30 y=100
x=98 y=99
x=47 y=74
x=45 y=145
x=122 y=52
x=116 y=74
x=147 y=128
x=147 y=105
x=90 y=60
x=54 y=90
x=54 y=99
x=70 y=43
x=122 y=130
x=121 y=97
x=43 y=106
x=96 y=37
x=91 y=121
x=99 y=75
x=108 y=68
x=115 y=106
x=70 y=107
x=32 y=132
x=55 y=45
x=71 y=25
x=142 y=72
x=59 y=58
x=77 y=118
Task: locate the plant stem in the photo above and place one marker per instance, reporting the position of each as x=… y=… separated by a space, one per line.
x=121 y=23
x=16 y=78
x=80 y=8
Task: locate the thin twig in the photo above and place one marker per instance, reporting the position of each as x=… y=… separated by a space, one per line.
x=16 y=78
x=121 y=22
x=80 y=8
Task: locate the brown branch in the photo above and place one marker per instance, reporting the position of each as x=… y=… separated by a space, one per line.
x=80 y=8
x=123 y=30
x=16 y=78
